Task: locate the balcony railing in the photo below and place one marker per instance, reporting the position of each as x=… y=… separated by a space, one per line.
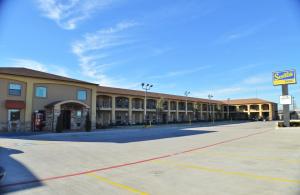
x=104 y=105
x=122 y=106
x=137 y=107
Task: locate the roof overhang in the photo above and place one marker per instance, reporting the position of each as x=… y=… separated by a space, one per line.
x=57 y=104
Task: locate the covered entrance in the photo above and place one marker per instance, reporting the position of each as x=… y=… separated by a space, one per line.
x=68 y=115
x=66 y=118
x=15 y=111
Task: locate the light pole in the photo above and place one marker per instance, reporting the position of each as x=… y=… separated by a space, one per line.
x=210 y=109
x=228 y=100
x=146 y=87
x=186 y=93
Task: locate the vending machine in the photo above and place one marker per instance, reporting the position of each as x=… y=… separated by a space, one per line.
x=38 y=120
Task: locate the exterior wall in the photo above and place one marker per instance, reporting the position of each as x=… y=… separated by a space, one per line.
x=57 y=90
x=137 y=117
x=176 y=110
x=103 y=118
x=4 y=95
x=266 y=111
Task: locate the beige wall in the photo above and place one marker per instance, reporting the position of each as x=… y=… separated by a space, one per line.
x=4 y=95
x=58 y=92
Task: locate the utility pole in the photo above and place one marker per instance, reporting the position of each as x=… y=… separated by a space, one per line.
x=285 y=78
x=146 y=87
x=286 y=107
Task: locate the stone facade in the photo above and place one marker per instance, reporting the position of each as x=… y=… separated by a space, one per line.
x=77 y=122
x=16 y=126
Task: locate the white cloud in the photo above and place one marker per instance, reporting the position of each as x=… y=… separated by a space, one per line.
x=178 y=73
x=220 y=92
x=67 y=13
x=35 y=65
x=254 y=88
x=243 y=32
x=257 y=79
x=93 y=51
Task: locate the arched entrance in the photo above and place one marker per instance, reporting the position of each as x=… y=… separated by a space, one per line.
x=71 y=113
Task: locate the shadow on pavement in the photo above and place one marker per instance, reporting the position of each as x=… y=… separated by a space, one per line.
x=117 y=136
x=15 y=172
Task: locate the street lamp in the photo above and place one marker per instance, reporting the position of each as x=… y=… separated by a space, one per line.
x=186 y=93
x=210 y=109
x=146 y=87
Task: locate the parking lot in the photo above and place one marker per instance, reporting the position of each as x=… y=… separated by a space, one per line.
x=241 y=158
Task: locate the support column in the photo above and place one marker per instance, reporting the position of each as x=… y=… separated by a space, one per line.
x=94 y=108
x=28 y=108
x=270 y=112
x=286 y=108
x=260 y=110
x=194 y=111
x=186 y=111
x=113 y=109
x=145 y=110
x=201 y=111
x=177 y=111
x=223 y=114
x=248 y=107
x=169 y=110
x=213 y=113
x=130 y=111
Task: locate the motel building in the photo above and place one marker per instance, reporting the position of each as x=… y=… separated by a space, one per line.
x=33 y=101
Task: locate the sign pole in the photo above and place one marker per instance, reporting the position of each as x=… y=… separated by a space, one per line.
x=286 y=108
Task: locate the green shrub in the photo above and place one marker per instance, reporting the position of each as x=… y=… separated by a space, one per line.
x=88 y=123
x=59 y=124
x=292 y=124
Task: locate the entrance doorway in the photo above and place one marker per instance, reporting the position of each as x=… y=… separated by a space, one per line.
x=14 y=117
x=165 y=118
x=66 y=116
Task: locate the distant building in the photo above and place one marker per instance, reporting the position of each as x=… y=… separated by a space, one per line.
x=33 y=101
x=293 y=114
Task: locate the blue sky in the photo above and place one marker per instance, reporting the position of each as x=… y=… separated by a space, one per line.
x=226 y=48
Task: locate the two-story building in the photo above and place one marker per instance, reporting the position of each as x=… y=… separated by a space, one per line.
x=33 y=101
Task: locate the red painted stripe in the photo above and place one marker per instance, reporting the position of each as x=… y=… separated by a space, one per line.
x=127 y=164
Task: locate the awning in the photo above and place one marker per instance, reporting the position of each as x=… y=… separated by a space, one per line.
x=14 y=104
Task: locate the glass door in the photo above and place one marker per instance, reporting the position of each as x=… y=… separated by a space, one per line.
x=14 y=119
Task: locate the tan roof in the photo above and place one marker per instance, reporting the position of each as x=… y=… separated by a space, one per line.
x=247 y=101
x=119 y=91
x=18 y=71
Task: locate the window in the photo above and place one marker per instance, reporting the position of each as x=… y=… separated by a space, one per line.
x=81 y=95
x=13 y=115
x=41 y=92
x=79 y=113
x=14 y=89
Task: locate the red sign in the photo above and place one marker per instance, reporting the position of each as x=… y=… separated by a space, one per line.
x=14 y=104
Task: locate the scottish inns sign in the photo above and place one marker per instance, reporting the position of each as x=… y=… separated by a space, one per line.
x=284 y=77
